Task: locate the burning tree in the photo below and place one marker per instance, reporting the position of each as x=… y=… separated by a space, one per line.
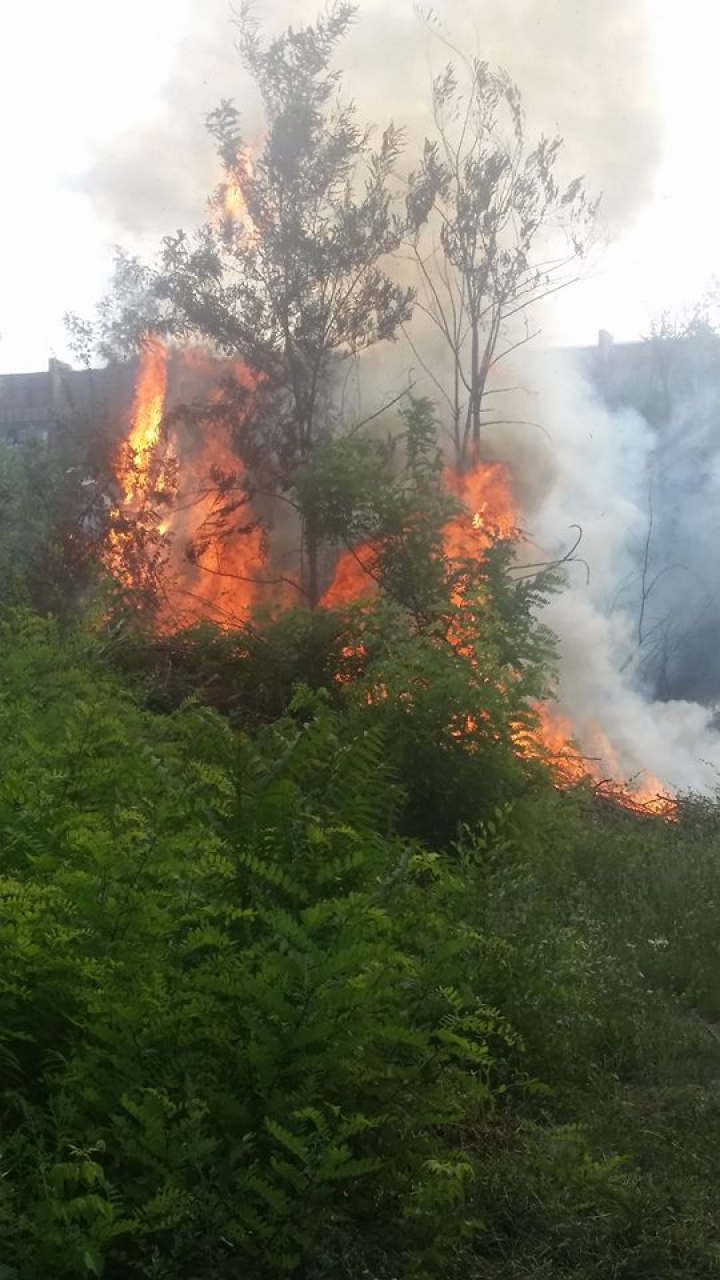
x=286 y=278
x=287 y=273
x=284 y=282
x=484 y=212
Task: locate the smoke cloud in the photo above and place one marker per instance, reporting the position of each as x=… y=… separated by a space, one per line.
x=583 y=69
x=629 y=588
x=681 y=621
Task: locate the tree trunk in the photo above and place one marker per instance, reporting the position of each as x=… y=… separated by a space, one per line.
x=311 y=576
x=476 y=393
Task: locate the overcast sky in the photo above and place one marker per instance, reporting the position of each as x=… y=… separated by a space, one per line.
x=76 y=76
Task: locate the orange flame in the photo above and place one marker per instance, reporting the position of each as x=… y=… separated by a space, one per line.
x=148 y=409
x=136 y=461
x=352 y=579
x=553 y=741
x=221 y=580
x=490 y=514
x=485 y=491
x=226 y=576
x=230 y=200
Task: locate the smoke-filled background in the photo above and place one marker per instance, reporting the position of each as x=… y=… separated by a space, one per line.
x=639 y=621
x=584 y=71
x=101 y=127
x=637 y=617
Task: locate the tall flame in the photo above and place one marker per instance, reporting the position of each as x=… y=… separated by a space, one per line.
x=147 y=415
x=230 y=203
x=222 y=580
x=209 y=575
x=136 y=461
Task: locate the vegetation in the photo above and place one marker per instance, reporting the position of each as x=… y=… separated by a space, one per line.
x=295 y=272
x=250 y=1025
x=52 y=524
x=306 y=971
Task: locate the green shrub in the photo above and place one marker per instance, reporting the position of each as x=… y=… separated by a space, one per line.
x=251 y=1026
x=241 y=1017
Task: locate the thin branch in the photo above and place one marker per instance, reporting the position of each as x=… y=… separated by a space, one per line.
x=379 y=412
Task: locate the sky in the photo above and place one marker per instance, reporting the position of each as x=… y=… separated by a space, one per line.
x=669 y=258
x=77 y=76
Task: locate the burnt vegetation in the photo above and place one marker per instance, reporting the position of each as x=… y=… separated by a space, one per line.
x=307 y=971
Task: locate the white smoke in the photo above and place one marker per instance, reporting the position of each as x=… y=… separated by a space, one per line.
x=684 y=620
x=584 y=71
x=589 y=466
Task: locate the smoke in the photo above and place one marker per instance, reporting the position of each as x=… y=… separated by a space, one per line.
x=636 y=622
x=682 y=617
x=584 y=464
x=584 y=71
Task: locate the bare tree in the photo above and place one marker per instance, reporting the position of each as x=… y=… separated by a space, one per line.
x=491 y=233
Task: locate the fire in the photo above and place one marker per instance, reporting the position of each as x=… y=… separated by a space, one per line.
x=226 y=577
x=234 y=205
x=148 y=409
x=207 y=575
x=137 y=462
x=486 y=492
x=352 y=579
x=214 y=576
x=230 y=202
x=490 y=514
x=553 y=741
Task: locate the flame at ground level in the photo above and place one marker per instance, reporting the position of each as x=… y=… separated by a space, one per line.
x=553 y=741
x=231 y=576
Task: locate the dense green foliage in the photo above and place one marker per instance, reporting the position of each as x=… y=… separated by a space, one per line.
x=305 y=972
x=251 y=1027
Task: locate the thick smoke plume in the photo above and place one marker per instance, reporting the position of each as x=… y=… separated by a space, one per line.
x=583 y=464
x=583 y=70
x=681 y=623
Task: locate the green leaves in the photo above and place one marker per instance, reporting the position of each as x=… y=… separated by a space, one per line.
x=221 y=1033
x=248 y=1027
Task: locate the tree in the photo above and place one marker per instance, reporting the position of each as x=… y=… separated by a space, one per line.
x=287 y=273
x=484 y=213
